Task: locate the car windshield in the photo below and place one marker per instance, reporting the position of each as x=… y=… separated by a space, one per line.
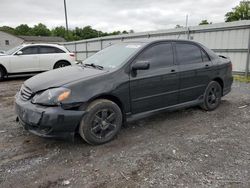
x=113 y=56
x=11 y=51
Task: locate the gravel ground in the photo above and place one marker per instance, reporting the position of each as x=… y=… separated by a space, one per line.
x=186 y=148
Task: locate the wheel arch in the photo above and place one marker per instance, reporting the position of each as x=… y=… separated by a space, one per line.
x=110 y=97
x=3 y=67
x=220 y=81
x=61 y=60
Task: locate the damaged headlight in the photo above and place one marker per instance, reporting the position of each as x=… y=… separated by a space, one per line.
x=52 y=96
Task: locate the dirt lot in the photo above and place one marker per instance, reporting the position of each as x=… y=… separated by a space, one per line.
x=187 y=148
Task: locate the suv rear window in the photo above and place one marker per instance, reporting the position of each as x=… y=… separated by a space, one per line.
x=50 y=50
x=188 y=53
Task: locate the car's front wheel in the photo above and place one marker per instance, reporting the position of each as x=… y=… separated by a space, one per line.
x=101 y=123
x=212 y=96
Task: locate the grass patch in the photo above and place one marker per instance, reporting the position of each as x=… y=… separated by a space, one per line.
x=242 y=78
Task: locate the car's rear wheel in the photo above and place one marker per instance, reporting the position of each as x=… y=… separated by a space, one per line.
x=212 y=96
x=101 y=123
x=2 y=73
x=61 y=64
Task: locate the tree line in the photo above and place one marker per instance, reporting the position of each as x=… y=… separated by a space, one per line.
x=240 y=12
x=78 y=33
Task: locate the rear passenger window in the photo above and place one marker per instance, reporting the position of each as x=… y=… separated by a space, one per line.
x=50 y=50
x=188 y=53
x=160 y=55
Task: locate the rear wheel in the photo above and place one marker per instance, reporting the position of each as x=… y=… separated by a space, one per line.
x=60 y=64
x=212 y=97
x=2 y=73
x=101 y=123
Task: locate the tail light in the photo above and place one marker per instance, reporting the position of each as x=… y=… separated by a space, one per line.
x=72 y=55
x=231 y=66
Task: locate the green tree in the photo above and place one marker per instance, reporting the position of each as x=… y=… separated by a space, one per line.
x=204 y=22
x=240 y=12
x=7 y=29
x=178 y=26
x=59 y=31
x=41 y=30
x=131 y=31
x=23 y=29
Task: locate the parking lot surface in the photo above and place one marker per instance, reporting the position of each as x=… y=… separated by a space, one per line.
x=186 y=148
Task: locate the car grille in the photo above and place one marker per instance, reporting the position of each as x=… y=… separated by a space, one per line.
x=25 y=93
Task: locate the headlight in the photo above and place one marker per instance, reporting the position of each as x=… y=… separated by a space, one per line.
x=51 y=96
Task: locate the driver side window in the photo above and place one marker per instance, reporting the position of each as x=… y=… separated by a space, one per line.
x=30 y=50
x=159 y=56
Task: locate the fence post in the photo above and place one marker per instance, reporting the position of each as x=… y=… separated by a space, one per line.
x=248 y=52
x=101 y=44
x=86 y=49
x=75 y=50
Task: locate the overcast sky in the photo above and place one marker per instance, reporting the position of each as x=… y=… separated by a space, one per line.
x=110 y=15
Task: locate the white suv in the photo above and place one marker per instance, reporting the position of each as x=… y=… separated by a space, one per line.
x=34 y=58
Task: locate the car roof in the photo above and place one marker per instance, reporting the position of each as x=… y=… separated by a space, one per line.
x=41 y=44
x=147 y=41
x=45 y=44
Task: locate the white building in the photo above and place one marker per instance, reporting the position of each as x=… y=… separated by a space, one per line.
x=8 y=41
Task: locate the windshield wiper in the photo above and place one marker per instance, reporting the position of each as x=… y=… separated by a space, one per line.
x=94 y=65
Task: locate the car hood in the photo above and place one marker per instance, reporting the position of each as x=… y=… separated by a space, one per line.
x=60 y=77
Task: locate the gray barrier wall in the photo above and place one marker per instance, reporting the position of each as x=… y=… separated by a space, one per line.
x=229 y=39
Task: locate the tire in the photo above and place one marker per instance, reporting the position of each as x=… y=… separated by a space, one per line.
x=61 y=64
x=212 y=96
x=2 y=74
x=102 y=122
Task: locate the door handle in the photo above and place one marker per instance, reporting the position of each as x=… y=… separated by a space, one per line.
x=207 y=66
x=172 y=71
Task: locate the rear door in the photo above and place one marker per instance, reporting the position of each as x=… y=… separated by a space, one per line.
x=28 y=61
x=156 y=87
x=49 y=56
x=194 y=69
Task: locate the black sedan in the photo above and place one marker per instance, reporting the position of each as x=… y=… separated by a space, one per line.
x=123 y=82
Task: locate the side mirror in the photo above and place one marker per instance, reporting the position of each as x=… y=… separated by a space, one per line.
x=141 y=65
x=19 y=53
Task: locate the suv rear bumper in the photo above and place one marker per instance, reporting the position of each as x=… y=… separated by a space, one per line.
x=47 y=121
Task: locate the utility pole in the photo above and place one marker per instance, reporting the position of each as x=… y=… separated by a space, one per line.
x=187 y=32
x=66 y=17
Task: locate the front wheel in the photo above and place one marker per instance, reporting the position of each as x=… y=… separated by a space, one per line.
x=212 y=96
x=101 y=123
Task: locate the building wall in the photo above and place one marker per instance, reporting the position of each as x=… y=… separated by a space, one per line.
x=8 y=41
x=228 y=39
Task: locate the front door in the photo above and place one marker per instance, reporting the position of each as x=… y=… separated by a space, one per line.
x=156 y=87
x=26 y=61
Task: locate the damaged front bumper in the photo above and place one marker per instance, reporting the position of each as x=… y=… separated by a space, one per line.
x=47 y=121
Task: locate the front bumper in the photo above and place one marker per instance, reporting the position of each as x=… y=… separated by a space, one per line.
x=47 y=121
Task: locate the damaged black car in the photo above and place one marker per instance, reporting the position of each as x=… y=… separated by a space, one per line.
x=121 y=83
